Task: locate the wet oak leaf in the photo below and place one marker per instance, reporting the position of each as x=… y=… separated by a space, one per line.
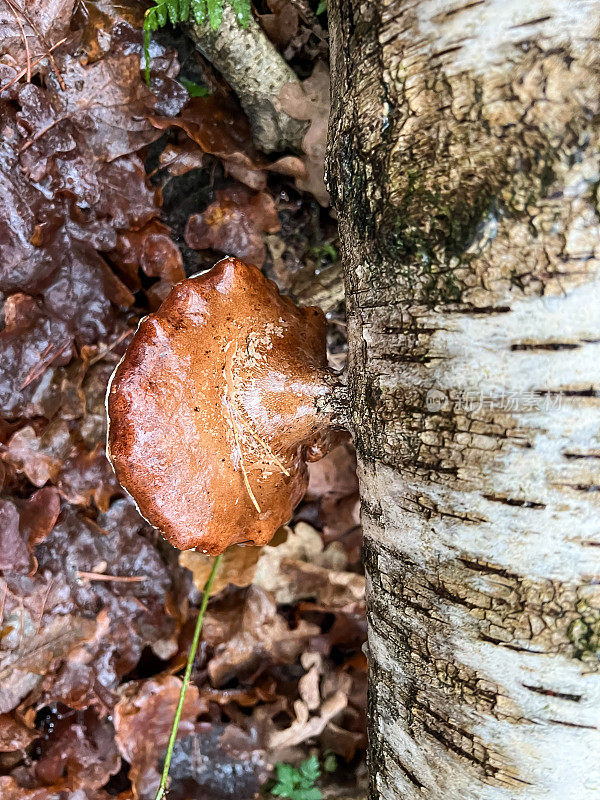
x=348 y=632
x=151 y=249
x=24 y=663
x=87 y=476
x=108 y=101
x=74 y=683
x=42 y=22
x=81 y=750
x=50 y=17
x=31 y=355
x=52 y=254
x=333 y=485
x=161 y=258
x=343 y=742
x=290 y=580
x=11 y=790
x=13 y=549
x=181 y=158
x=136 y=610
x=53 y=154
x=23 y=210
x=85 y=294
x=281 y=25
x=14 y=734
x=80 y=304
x=305 y=726
x=39 y=514
x=233 y=224
x=127 y=200
x=143 y=718
x=237 y=567
x=300 y=567
x=256 y=634
x=219 y=127
x=39 y=456
x=96 y=19
x=23 y=524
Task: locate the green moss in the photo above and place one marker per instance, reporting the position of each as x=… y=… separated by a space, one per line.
x=584 y=633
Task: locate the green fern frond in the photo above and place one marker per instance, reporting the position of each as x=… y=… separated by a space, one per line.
x=215 y=13
x=162 y=14
x=176 y=11
x=173 y=9
x=184 y=10
x=200 y=11
x=298 y=784
x=242 y=11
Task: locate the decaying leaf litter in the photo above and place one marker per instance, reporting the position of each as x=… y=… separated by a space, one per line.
x=111 y=193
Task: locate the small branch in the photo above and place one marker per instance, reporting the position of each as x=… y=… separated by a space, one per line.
x=99 y=576
x=23 y=37
x=186 y=678
x=20 y=74
x=46 y=358
x=256 y=72
x=42 y=40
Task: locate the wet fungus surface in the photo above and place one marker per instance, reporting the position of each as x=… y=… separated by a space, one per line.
x=213 y=409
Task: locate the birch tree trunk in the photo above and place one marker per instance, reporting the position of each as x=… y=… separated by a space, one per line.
x=465 y=168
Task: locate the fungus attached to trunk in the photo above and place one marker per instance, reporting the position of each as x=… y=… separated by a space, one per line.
x=215 y=409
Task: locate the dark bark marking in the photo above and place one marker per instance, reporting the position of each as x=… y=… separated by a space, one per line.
x=575 y=698
x=529 y=23
x=533 y=346
x=512 y=501
x=452 y=12
x=572 y=724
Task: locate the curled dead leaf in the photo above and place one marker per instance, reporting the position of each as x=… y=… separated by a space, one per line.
x=306 y=726
x=309 y=100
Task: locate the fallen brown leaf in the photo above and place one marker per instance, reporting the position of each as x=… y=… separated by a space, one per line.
x=306 y=726
x=14 y=735
x=22 y=667
x=143 y=718
x=233 y=224
x=237 y=567
x=310 y=101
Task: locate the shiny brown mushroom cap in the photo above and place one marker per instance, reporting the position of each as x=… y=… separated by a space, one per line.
x=212 y=410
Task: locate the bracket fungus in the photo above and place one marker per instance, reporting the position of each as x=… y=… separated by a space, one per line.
x=218 y=403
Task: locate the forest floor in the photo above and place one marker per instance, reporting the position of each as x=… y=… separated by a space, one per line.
x=110 y=193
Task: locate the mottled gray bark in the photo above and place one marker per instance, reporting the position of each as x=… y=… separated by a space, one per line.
x=257 y=73
x=464 y=166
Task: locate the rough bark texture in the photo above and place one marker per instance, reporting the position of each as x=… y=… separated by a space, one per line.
x=465 y=169
x=257 y=73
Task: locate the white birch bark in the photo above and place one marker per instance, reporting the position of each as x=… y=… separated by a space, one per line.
x=465 y=168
